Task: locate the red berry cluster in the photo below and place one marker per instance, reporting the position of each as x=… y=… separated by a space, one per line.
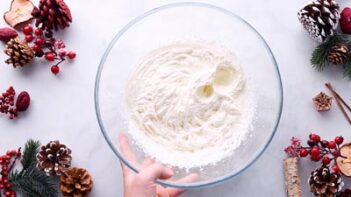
x=7 y=162
x=317 y=149
x=47 y=46
x=8 y=104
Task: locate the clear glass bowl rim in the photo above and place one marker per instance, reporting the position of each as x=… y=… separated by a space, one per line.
x=125 y=29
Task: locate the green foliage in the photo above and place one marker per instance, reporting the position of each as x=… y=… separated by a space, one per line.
x=29 y=153
x=320 y=55
x=347 y=69
x=30 y=181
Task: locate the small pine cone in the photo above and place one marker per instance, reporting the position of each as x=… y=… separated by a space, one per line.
x=345 y=193
x=19 y=51
x=324 y=183
x=338 y=54
x=52 y=14
x=54 y=158
x=76 y=182
x=322 y=102
x=320 y=18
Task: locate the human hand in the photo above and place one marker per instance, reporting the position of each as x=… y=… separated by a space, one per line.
x=143 y=184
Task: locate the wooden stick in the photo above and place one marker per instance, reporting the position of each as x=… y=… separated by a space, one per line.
x=338 y=101
x=292 y=179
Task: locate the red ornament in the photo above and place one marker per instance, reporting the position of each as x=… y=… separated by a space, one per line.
x=345 y=20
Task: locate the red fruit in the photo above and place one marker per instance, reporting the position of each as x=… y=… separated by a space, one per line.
x=36 y=48
x=50 y=56
x=345 y=20
x=38 y=32
x=315 y=151
x=29 y=38
x=55 y=69
x=326 y=160
x=71 y=55
x=315 y=158
x=339 y=140
x=27 y=29
x=336 y=169
x=62 y=53
x=303 y=152
x=23 y=101
x=331 y=145
x=315 y=137
x=39 y=41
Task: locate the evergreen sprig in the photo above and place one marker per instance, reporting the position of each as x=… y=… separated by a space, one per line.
x=320 y=55
x=30 y=181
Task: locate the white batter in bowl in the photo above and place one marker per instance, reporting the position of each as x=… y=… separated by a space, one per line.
x=189 y=104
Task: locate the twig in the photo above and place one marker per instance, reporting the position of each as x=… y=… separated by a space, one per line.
x=339 y=101
x=14 y=161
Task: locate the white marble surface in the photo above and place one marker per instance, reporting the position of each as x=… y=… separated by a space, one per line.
x=62 y=107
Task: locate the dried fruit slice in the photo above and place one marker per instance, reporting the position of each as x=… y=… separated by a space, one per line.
x=344 y=162
x=20 y=13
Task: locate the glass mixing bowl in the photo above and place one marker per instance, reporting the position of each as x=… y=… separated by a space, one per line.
x=190 y=21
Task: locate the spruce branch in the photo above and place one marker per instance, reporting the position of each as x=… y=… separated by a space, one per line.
x=347 y=69
x=30 y=181
x=29 y=153
x=320 y=55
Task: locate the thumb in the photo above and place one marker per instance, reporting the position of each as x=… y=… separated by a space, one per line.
x=156 y=171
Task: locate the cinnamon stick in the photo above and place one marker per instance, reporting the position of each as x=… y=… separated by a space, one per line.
x=340 y=102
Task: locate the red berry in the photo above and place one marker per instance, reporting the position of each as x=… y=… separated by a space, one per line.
x=50 y=56
x=326 y=160
x=71 y=55
x=62 y=53
x=315 y=157
x=331 y=145
x=303 y=152
x=38 y=32
x=55 y=69
x=315 y=137
x=336 y=169
x=315 y=151
x=29 y=38
x=36 y=48
x=339 y=140
x=324 y=143
x=39 y=41
x=2 y=186
x=27 y=29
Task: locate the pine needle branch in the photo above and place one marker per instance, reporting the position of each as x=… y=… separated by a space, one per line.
x=29 y=153
x=320 y=55
x=30 y=181
x=347 y=69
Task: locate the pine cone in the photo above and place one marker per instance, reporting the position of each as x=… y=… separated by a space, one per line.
x=76 y=182
x=345 y=193
x=322 y=102
x=54 y=158
x=324 y=183
x=320 y=18
x=52 y=14
x=338 y=54
x=19 y=51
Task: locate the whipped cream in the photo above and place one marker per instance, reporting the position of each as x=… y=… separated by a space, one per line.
x=189 y=104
